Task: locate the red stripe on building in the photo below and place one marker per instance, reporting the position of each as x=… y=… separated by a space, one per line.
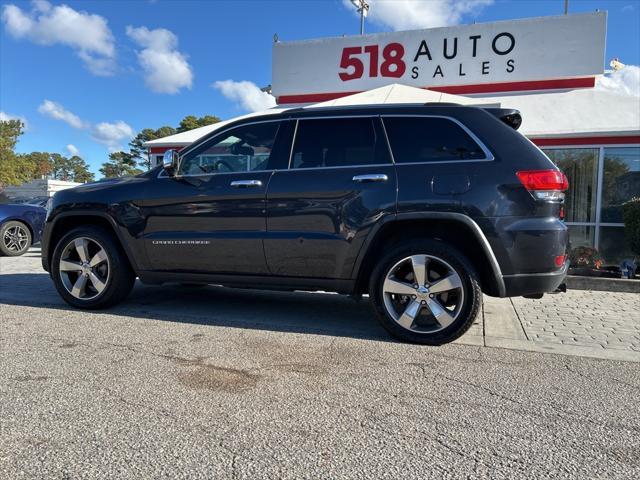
x=608 y=140
x=585 y=82
x=164 y=149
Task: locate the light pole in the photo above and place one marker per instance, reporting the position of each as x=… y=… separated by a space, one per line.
x=363 y=8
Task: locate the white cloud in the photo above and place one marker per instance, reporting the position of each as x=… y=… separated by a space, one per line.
x=109 y=134
x=87 y=34
x=5 y=117
x=414 y=14
x=625 y=81
x=112 y=134
x=166 y=69
x=73 y=150
x=58 y=112
x=246 y=94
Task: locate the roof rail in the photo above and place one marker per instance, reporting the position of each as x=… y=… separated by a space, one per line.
x=442 y=104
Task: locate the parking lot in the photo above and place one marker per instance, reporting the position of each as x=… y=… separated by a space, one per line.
x=212 y=382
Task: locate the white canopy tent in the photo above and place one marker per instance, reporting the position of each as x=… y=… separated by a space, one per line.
x=390 y=94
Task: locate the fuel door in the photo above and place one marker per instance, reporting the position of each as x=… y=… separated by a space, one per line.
x=450 y=184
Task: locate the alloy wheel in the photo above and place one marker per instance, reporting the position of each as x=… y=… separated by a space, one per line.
x=423 y=293
x=16 y=238
x=84 y=268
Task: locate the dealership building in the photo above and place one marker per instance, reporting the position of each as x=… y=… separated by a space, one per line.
x=551 y=69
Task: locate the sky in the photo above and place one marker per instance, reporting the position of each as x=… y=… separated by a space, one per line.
x=86 y=76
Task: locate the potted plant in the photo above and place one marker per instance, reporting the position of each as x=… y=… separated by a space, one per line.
x=586 y=261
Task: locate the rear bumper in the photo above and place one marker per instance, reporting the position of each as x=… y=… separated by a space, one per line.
x=534 y=283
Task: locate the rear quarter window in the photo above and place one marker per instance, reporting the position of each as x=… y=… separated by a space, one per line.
x=430 y=139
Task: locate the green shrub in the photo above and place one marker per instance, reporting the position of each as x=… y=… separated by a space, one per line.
x=631 y=215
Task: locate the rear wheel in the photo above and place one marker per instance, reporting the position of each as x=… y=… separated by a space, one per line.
x=90 y=270
x=15 y=239
x=425 y=292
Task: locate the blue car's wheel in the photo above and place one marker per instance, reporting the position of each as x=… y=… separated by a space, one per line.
x=15 y=239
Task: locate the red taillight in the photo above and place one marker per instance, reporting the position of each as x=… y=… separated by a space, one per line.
x=560 y=260
x=543 y=180
x=544 y=184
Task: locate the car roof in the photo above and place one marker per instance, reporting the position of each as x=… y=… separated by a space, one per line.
x=439 y=108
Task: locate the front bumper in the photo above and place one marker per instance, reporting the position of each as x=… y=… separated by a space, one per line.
x=534 y=283
x=44 y=246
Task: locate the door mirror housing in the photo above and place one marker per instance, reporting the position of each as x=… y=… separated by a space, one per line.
x=170 y=161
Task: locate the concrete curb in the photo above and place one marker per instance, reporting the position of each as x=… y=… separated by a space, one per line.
x=575 y=282
x=572 y=350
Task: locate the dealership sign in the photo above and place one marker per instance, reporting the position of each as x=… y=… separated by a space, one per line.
x=538 y=53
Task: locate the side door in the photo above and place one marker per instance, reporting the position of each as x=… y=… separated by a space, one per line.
x=210 y=217
x=340 y=182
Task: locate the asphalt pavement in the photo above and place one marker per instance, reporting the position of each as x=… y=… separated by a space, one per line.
x=209 y=382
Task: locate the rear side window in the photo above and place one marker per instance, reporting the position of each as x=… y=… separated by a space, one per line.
x=338 y=142
x=430 y=139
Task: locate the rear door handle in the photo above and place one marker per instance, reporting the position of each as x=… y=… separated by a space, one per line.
x=372 y=177
x=246 y=183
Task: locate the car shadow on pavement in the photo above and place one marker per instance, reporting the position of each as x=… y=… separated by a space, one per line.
x=299 y=312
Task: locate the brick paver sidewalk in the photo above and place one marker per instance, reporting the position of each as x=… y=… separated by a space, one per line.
x=579 y=322
x=591 y=319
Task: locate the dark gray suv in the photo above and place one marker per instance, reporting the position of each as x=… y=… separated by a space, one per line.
x=423 y=207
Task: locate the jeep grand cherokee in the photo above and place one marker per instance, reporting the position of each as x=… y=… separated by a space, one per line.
x=423 y=207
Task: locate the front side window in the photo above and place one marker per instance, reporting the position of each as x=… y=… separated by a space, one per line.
x=338 y=142
x=243 y=149
x=430 y=139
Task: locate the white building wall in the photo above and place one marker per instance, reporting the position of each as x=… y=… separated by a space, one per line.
x=38 y=188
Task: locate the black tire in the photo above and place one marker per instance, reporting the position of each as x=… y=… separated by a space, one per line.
x=470 y=288
x=120 y=278
x=7 y=246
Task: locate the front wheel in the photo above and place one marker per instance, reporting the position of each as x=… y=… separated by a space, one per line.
x=90 y=270
x=425 y=292
x=15 y=239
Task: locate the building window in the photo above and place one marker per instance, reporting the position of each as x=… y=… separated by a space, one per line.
x=613 y=246
x=621 y=181
x=580 y=165
x=601 y=180
x=582 y=235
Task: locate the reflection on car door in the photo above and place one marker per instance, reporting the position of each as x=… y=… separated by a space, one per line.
x=211 y=218
x=340 y=182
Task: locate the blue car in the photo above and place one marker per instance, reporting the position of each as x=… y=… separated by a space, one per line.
x=21 y=225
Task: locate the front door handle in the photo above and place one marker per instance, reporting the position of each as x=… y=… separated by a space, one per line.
x=372 y=177
x=246 y=183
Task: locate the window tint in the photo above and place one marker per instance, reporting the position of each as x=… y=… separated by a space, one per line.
x=240 y=150
x=428 y=139
x=338 y=142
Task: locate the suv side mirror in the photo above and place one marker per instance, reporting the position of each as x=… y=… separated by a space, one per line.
x=170 y=161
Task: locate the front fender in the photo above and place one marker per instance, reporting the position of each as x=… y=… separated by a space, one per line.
x=67 y=220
